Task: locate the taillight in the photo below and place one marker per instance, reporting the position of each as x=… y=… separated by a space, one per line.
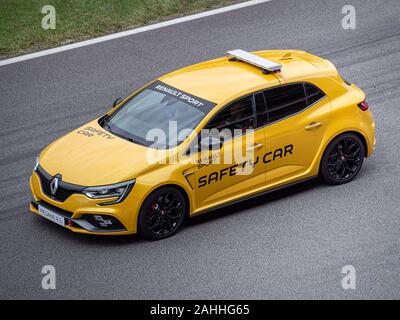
x=363 y=105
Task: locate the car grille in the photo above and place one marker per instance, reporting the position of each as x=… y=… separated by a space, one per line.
x=64 y=191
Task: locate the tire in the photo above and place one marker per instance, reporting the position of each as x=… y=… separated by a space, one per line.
x=342 y=159
x=162 y=213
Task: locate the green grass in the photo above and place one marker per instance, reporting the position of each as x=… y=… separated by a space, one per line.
x=21 y=30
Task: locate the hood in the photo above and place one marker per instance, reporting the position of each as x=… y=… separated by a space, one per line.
x=92 y=156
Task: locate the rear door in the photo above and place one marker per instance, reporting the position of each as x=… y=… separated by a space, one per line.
x=297 y=115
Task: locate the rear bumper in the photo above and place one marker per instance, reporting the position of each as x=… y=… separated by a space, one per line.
x=79 y=211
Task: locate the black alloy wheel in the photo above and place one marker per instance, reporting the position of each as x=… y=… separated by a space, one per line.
x=343 y=159
x=162 y=213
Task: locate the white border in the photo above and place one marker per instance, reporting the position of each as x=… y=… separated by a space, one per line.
x=130 y=32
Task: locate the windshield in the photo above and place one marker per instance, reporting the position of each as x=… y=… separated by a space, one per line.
x=159 y=116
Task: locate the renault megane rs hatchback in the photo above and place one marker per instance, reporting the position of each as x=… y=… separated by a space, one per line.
x=203 y=137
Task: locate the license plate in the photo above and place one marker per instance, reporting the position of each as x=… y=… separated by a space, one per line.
x=52 y=216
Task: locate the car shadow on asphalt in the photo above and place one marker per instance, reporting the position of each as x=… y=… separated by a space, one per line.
x=117 y=241
x=254 y=202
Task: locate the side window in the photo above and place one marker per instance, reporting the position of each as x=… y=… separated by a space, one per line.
x=313 y=93
x=237 y=117
x=285 y=101
x=261 y=110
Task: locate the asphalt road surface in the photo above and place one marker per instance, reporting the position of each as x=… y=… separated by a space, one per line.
x=289 y=244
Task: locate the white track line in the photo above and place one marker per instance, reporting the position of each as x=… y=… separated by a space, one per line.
x=130 y=32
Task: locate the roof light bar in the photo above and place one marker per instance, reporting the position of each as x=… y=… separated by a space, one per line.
x=266 y=65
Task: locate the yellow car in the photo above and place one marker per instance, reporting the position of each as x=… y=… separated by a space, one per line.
x=203 y=137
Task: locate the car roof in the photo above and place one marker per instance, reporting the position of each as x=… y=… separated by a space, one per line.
x=221 y=79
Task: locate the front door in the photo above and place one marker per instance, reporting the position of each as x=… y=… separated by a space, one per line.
x=237 y=166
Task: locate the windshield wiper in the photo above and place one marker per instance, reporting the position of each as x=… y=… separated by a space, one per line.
x=127 y=138
x=132 y=140
x=108 y=127
x=104 y=120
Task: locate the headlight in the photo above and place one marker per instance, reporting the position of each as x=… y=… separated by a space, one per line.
x=36 y=163
x=119 y=190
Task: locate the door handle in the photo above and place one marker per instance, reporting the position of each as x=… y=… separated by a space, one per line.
x=255 y=147
x=313 y=125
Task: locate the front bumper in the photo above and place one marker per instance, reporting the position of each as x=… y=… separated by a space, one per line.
x=79 y=211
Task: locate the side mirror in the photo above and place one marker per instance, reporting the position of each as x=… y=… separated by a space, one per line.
x=211 y=143
x=117 y=102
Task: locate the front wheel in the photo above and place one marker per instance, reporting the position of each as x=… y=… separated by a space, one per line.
x=162 y=213
x=342 y=159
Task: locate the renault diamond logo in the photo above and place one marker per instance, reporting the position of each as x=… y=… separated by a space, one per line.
x=54 y=184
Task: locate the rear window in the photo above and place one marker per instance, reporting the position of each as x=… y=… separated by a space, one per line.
x=313 y=93
x=285 y=101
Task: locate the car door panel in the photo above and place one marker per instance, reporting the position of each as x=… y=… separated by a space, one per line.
x=219 y=182
x=302 y=132
x=237 y=166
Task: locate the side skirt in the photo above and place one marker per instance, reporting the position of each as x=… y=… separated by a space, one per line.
x=259 y=194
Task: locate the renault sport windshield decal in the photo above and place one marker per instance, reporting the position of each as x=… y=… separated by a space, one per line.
x=196 y=102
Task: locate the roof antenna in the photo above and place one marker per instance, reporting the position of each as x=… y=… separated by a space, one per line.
x=286 y=56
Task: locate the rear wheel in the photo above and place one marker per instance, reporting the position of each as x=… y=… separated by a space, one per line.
x=162 y=213
x=342 y=159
